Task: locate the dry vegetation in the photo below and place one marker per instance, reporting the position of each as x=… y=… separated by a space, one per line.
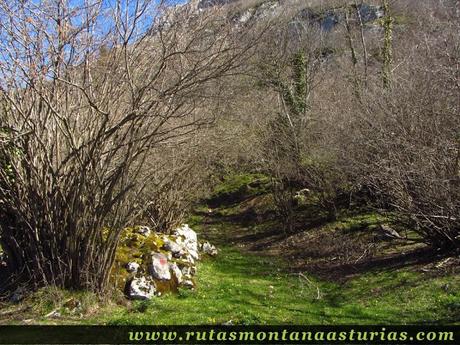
x=116 y=115
x=100 y=106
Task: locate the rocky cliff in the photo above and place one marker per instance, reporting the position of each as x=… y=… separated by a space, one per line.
x=324 y=17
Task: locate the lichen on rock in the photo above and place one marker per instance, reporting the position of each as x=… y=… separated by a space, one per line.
x=141 y=288
x=150 y=263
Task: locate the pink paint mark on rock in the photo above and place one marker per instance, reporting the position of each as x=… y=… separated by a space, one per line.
x=159 y=267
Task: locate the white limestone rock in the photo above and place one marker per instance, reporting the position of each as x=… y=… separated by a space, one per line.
x=158 y=266
x=141 y=288
x=209 y=249
x=132 y=267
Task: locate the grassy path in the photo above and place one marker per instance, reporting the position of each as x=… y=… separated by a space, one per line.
x=240 y=287
x=243 y=288
x=246 y=289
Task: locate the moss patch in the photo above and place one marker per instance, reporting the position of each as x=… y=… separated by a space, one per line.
x=237 y=187
x=135 y=247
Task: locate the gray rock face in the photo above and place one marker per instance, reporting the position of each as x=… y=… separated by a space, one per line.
x=329 y=19
x=265 y=10
x=186 y=271
x=188 y=283
x=326 y=20
x=370 y=13
x=141 y=288
x=175 y=249
x=210 y=3
x=189 y=235
x=159 y=266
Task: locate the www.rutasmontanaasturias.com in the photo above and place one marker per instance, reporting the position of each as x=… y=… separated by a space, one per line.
x=291 y=336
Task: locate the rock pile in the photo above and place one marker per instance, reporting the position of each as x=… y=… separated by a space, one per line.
x=149 y=263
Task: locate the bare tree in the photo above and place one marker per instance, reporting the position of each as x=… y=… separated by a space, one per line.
x=290 y=67
x=89 y=91
x=405 y=137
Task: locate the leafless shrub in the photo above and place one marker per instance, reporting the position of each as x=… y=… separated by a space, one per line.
x=89 y=93
x=406 y=137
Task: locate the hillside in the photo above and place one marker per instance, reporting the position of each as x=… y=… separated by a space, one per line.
x=243 y=162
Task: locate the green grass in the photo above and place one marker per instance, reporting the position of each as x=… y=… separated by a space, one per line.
x=243 y=288
x=246 y=289
x=235 y=186
x=239 y=287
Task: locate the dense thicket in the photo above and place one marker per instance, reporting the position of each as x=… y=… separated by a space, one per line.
x=368 y=108
x=101 y=106
x=118 y=114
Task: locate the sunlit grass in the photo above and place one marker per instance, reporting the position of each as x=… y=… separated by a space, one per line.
x=247 y=289
x=238 y=287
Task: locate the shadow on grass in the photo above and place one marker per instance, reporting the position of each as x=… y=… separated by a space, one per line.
x=262 y=232
x=249 y=289
x=417 y=257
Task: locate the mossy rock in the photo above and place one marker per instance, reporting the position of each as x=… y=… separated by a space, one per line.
x=135 y=247
x=166 y=286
